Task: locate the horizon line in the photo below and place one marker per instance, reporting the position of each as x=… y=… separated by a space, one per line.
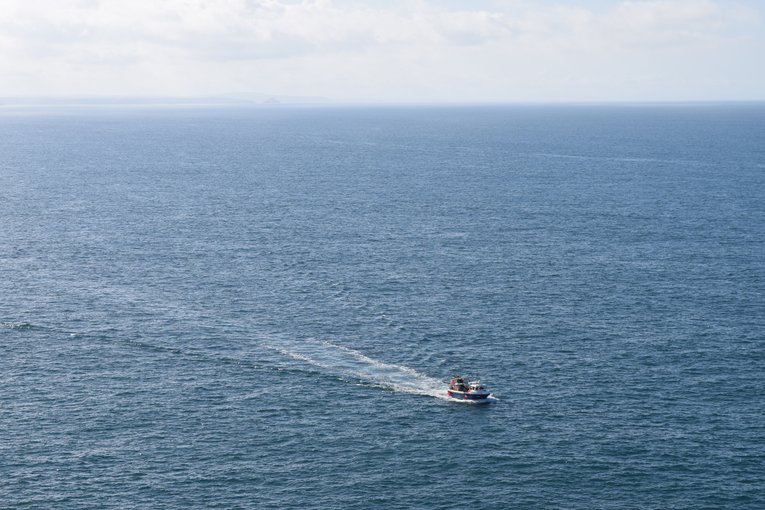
x=276 y=101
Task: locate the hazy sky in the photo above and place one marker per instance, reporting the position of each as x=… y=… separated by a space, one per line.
x=375 y=50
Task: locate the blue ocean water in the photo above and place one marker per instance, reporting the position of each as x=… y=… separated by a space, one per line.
x=259 y=308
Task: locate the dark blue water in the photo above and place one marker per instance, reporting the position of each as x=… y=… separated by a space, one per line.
x=258 y=308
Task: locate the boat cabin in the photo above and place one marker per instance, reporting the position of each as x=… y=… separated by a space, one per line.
x=476 y=386
x=461 y=384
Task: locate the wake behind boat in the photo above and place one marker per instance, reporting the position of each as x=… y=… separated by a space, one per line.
x=462 y=389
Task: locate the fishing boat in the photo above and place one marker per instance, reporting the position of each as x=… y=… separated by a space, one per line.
x=462 y=389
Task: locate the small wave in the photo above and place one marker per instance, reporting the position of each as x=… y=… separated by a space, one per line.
x=346 y=362
x=618 y=159
x=20 y=326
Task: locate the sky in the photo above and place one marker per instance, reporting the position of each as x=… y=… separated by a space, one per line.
x=386 y=51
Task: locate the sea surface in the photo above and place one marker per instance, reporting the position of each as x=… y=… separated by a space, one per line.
x=260 y=307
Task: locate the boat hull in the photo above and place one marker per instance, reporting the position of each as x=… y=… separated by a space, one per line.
x=462 y=395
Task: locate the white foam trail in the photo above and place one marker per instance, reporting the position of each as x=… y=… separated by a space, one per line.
x=347 y=362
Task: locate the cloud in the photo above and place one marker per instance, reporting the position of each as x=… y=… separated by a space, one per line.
x=235 y=29
x=481 y=46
